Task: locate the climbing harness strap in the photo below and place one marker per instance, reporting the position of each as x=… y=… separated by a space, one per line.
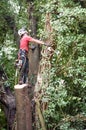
x=22 y=53
x=22 y=57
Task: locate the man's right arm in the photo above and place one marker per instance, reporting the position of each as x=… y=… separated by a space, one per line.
x=38 y=41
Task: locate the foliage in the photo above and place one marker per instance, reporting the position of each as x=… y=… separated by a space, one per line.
x=2 y=120
x=66 y=90
x=67 y=77
x=10 y=12
x=7 y=49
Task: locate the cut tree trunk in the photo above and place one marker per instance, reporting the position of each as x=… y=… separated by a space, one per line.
x=23 y=108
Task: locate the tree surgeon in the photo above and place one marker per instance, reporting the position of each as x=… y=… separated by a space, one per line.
x=23 y=60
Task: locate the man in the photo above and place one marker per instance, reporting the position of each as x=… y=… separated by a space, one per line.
x=23 y=53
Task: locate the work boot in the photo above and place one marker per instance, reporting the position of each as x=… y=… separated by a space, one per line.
x=20 y=82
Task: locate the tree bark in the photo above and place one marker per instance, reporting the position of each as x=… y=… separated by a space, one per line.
x=34 y=56
x=7 y=99
x=23 y=107
x=38 y=108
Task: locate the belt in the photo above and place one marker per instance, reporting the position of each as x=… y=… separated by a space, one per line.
x=23 y=52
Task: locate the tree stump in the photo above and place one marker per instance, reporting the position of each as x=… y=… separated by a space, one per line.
x=23 y=108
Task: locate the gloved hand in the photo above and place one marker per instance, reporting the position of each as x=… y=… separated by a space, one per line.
x=47 y=44
x=33 y=47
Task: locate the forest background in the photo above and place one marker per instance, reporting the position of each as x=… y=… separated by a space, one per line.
x=64 y=80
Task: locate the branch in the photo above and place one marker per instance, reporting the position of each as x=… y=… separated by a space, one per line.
x=78 y=117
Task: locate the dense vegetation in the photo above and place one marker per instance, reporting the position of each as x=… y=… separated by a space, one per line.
x=65 y=91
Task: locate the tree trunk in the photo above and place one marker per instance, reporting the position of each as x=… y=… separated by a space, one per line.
x=44 y=69
x=38 y=108
x=7 y=99
x=34 y=56
x=23 y=106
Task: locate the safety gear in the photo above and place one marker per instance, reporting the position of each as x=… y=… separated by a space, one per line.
x=18 y=63
x=22 y=31
x=24 y=66
x=32 y=47
x=22 y=53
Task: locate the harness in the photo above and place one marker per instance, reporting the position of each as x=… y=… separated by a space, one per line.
x=20 y=64
x=22 y=54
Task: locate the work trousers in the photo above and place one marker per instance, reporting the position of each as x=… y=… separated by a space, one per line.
x=24 y=66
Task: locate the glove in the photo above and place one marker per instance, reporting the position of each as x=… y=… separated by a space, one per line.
x=33 y=47
x=47 y=44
